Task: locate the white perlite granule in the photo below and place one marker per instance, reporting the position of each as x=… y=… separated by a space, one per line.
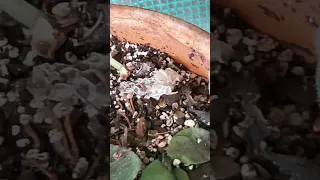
x=161 y=83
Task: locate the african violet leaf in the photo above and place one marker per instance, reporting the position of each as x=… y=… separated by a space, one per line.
x=190 y=146
x=180 y=174
x=124 y=164
x=157 y=171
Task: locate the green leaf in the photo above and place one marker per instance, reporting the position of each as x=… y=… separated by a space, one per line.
x=124 y=164
x=157 y=171
x=22 y=11
x=190 y=146
x=180 y=174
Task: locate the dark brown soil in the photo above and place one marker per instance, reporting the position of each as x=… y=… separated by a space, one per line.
x=152 y=121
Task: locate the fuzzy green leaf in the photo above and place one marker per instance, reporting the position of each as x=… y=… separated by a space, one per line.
x=190 y=146
x=124 y=164
x=157 y=171
x=180 y=174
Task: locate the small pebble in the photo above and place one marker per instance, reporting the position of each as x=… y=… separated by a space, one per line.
x=23 y=142
x=284 y=67
x=221 y=29
x=26 y=33
x=25 y=119
x=187 y=115
x=169 y=122
x=266 y=44
x=15 y=130
x=70 y=57
x=61 y=9
x=14 y=53
x=237 y=66
x=249 y=42
x=232 y=152
x=175 y=105
x=244 y=160
x=297 y=70
x=48 y=120
x=295 y=119
x=251 y=50
x=263 y=145
x=3 y=41
x=3 y=101
x=12 y=96
x=189 y=123
x=248 y=171
x=248 y=59
x=176 y=162
x=234 y=36
x=80 y=168
x=4 y=70
x=28 y=61
x=162 y=144
x=21 y=109
x=285 y=55
x=130 y=66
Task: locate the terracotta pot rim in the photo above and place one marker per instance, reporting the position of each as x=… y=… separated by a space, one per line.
x=179 y=20
x=183 y=41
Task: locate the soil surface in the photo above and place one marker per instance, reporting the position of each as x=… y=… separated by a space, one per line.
x=145 y=115
x=264 y=114
x=53 y=112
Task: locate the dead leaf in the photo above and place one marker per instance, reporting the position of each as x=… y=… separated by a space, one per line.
x=141 y=127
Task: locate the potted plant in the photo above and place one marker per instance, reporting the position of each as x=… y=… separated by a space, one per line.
x=155 y=34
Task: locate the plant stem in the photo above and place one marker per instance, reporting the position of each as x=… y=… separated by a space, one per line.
x=22 y=11
x=124 y=73
x=114 y=63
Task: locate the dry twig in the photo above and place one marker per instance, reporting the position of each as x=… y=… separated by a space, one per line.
x=69 y=132
x=126 y=118
x=33 y=135
x=34 y=163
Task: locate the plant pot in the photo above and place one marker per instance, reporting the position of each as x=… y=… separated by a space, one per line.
x=294 y=22
x=184 y=42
